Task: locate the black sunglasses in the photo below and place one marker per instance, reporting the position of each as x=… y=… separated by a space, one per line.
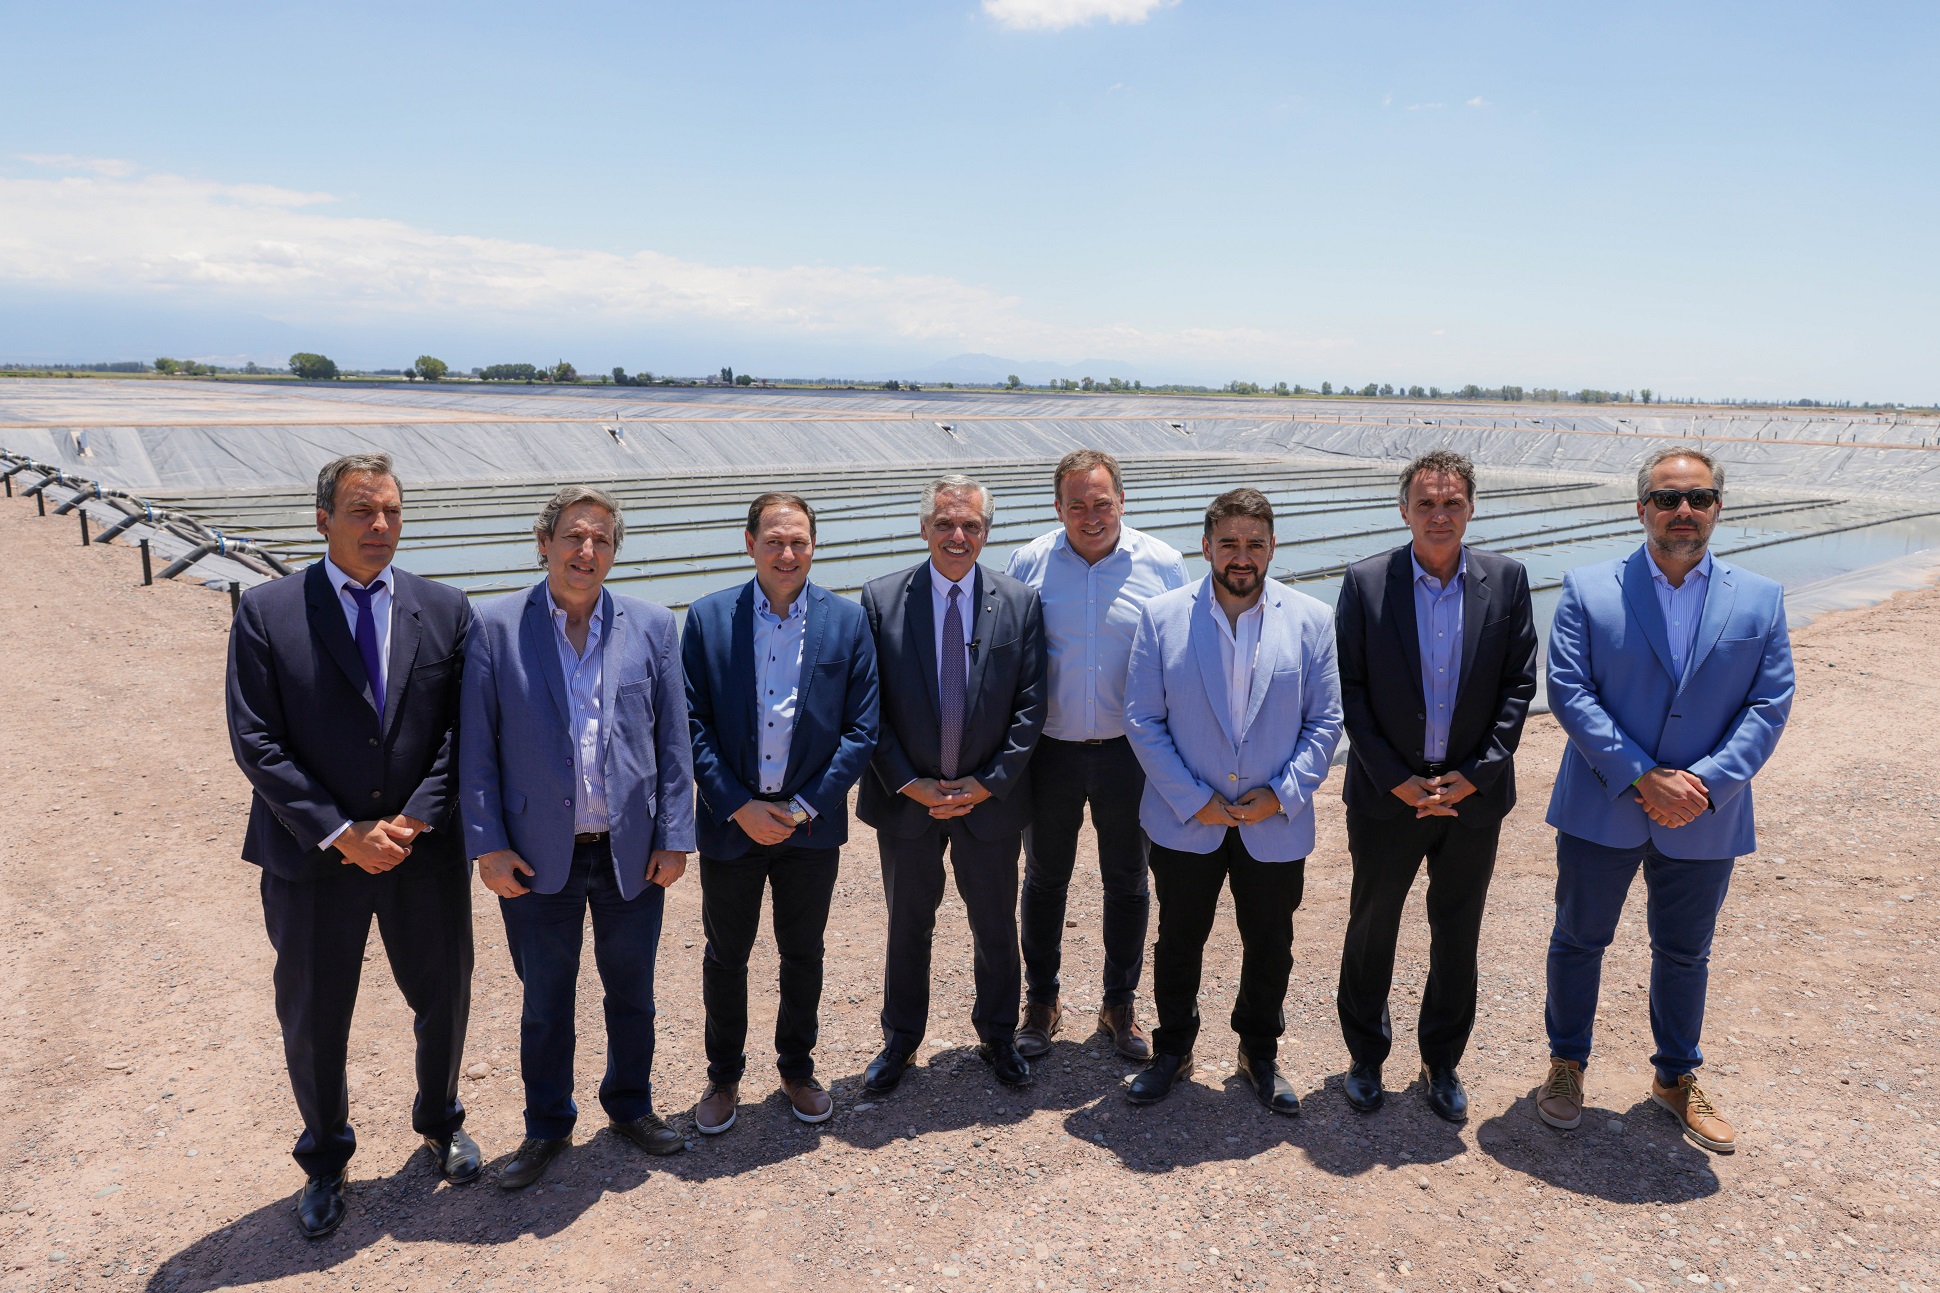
x=1701 y=500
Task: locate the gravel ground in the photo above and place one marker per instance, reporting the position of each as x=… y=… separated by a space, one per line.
x=147 y=1122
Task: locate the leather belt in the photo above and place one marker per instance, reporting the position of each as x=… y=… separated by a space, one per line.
x=1436 y=769
x=592 y=837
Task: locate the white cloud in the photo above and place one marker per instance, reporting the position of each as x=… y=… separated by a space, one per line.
x=1056 y=15
x=277 y=253
x=111 y=166
x=1426 y=107
x=1477 y=102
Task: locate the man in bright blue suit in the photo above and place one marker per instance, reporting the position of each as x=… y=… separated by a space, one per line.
x=575 y=772
x=781 y=701
x=1233 y=706
x=1671 y=673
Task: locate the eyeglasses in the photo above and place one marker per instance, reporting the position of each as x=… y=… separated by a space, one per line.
x=1701 y=500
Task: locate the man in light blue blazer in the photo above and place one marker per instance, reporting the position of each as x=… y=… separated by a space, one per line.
x=575 y=773
x=1671 y=673
x=1233 y=706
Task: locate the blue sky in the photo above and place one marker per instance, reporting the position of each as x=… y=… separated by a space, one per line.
x=1706 y=199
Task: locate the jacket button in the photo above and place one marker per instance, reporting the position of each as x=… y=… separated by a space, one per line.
x=376 y=794
x=1232 y=776
x=567 y=802
x=373 y=739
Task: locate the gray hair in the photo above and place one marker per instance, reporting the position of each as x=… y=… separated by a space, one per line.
x=1439 y=460
x=351 y=464
x=1665 y=455
x=548 y=522
x=954 y=484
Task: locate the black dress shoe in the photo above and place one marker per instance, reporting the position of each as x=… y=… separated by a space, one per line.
x=456 y=1156
x=320 y=1205
x=885 y=1071
x=651 y=1134
x=1444 y=1092
x=1154 y=1082
x=529 y=1162
x=1269 y=1084
x=1011 y=1068
x=1362 y=1086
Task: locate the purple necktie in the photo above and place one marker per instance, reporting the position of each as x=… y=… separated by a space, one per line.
x=367 y=640
x=952 y=686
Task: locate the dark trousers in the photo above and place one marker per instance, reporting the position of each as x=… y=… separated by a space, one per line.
x=1065 y=775
x=1265 y=896
x=1387 y=853
x=545 y=932
x=912 y=881
x=319 y=931
x=803 y=881
x=1683 y=897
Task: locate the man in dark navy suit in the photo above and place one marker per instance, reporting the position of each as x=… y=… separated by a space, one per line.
x=781 y=700
x=342 y=700
x=960 y=653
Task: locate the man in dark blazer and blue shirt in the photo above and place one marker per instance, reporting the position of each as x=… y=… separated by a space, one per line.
x=781 y=701
x=342 y=696
x=1437 y=648
x=960 y=652
x=576 y=774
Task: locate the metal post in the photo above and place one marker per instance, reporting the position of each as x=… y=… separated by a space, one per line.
x=147 y=571
x=85 y=540
x=40 y=501
x=235 y=598
x=9 y=484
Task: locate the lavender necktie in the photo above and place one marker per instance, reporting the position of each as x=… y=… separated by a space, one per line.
x=952 y=686
x=367 y=640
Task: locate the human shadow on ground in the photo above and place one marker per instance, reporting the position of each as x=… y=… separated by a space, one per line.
x=412 y=1204
x=1634 y=1156
x=1217 y=1118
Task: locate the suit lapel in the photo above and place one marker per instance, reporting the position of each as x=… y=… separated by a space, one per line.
x=406 y=632
x=743 y=708
x=920 y=618
x=328 y=624
x=983 y=629
x=1401 y=613
x=1717 y=609
x=1475 y=611
x=542 y=649
x=815 y=624
x=615 y=625
x=1267 y=658
x=1641 y=594
x=1204 y=636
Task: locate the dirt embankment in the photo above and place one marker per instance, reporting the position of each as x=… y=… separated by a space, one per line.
x=147 y=1122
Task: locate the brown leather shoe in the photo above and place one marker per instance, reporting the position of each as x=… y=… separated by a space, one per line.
x=811 y=1103
x=1040 y=1025
x=1691 y=1107
x=716 y=1111
x=1127 y=1038
x=1560 y=1102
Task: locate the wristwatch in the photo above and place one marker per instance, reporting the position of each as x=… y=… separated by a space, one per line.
x=798 y=813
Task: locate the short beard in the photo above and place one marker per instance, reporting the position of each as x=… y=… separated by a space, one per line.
x=1219 y=577
x=1669 y=546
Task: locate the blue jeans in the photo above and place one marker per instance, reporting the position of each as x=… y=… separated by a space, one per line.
x=545 y=932
x=1684 y=897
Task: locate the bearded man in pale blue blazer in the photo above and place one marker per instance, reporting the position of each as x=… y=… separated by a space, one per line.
x=1233 y=706
x=1671 y=673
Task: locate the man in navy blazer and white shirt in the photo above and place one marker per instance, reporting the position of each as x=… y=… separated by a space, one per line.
x=1233 y=706
x=342 y=697
x=781 y=701
x=577 y=775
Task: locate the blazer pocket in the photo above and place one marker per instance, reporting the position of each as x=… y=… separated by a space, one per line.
x=834 y=666
x=638 y=687
x=1738 y=644
x=434 y=666
x=514 y=801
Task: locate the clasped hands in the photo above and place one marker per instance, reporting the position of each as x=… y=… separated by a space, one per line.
x=377 y=846
x=945 y=799
x=765 y=822
x=1672 y=796
x=1256 y=805
x=500 y=871
x=1434 y=796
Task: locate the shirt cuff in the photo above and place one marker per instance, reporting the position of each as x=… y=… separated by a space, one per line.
x=805 y=806
x=331 y=838
x=907 y=784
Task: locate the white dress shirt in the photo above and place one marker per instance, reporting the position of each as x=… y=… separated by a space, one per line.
x=966 y=610
x=1091 y=614
x=778 y=647
x=1239 y=649
x=582 y=673
x=380 y=610
x=1683 y=607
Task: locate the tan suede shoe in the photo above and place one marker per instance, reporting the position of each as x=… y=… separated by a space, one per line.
x=715 y=1113
x=807 y=1098
x=1560 y=1102
x=1691 y=1107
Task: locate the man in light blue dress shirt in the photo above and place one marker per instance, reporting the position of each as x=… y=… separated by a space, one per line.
x=1094 y=575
